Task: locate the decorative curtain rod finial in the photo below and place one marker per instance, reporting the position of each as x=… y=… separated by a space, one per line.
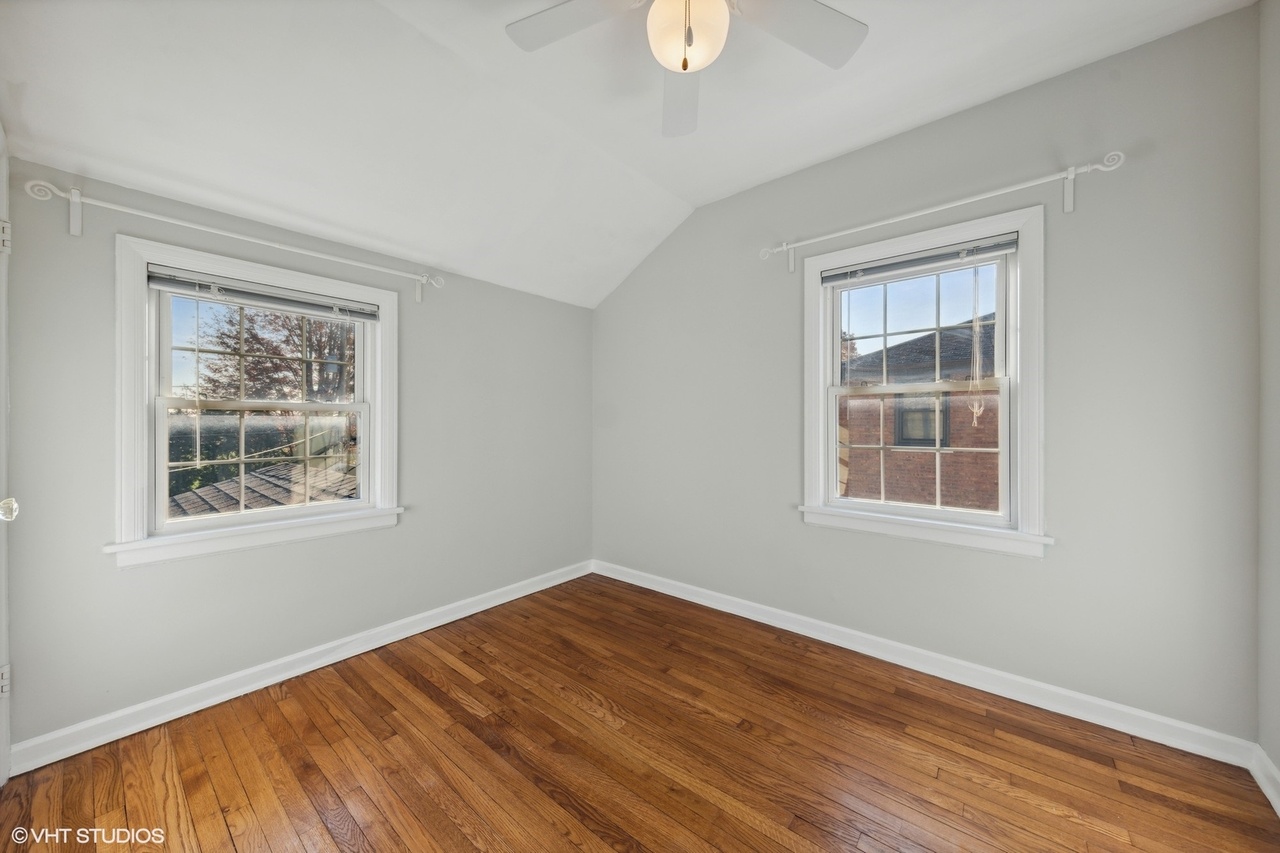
x=43 y=190
x=1111 y=162
x=426 y=278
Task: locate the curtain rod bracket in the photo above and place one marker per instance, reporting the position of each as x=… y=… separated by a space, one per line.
x=75 y=213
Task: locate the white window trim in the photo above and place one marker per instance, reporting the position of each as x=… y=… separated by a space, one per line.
x=136 y=352
x=1025 y=534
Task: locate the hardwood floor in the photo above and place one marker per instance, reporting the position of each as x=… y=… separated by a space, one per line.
x=599 y=716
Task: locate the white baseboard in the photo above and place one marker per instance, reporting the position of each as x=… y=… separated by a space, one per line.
x=1268 y=776
x=43 y=749
x=1134 y=721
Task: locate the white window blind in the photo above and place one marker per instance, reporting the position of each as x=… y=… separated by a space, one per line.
x=203 y=286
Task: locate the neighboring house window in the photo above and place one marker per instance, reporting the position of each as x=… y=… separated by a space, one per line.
x=267 y=414
x=918 y=422
x=923 y=385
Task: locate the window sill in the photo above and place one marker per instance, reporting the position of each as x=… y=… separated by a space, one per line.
x=965 y=535
x=155 y=549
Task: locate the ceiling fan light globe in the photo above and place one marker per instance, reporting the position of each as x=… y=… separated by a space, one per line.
x=709 y=20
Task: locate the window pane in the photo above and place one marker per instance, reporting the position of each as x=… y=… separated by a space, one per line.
x=271 y=484
x=955 y=359
x=862 y=362
x=910 y=477
x=219 y=326
x=219 y=435
x=219 y=377
x=331 y=340
x=330 y=382
x=182 y=435
x=272 y=333
x=862 y=311
x=967 y=428
x=956 y=356
x=182 y=321
x=333 y=435
x=971 y=481
x=859 y=420
x=911 y=304
x=333 y=479
x=272 y=435
x=987 y=291
x=859 y=474
x=272 y=379
x=204 y=490
x=956 y=292
x=182 y=379
x=911 y=358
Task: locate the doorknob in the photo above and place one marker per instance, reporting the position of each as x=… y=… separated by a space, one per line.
x=8 y=509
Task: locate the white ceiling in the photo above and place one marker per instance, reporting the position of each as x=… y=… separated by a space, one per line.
x=416 y=128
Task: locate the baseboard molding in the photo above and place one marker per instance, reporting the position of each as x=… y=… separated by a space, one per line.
x=56 y=745
x=1134 y=721
x=1268 y=776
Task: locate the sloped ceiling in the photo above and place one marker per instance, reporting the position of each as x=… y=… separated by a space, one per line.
x=416 y=128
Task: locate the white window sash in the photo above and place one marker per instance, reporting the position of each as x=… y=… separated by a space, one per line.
x=161 y=523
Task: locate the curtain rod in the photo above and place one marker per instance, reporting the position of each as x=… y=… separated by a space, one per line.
x=43 y=191
x=1111 y=162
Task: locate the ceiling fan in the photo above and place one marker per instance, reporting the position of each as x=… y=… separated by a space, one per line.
x=687 y=36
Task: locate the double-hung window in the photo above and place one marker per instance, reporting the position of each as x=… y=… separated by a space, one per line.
x=257 y=404
x=923 y=385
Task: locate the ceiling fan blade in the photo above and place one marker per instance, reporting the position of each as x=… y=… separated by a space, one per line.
x=811 y=27
x=679 y=103
x=563 y=19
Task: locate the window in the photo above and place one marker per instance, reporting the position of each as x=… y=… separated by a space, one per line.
x=266 y=414
x=923 y=385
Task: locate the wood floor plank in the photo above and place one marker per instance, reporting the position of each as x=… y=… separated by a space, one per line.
x=140 y=806
x=382 y=778
x=292 y=733
x=46 y=805
x=293 y=799
x=172 y=809
x=458 y=788
x=271 y=814
x=15 y=810
x=108 y=790
x=77 y=800
x=210 y=824
x=597 y=716
x=110 y=825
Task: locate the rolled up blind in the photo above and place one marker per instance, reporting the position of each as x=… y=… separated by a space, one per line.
x=203 y=286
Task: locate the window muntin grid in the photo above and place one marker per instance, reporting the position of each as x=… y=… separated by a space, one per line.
x=909 y=336
x=258 y=409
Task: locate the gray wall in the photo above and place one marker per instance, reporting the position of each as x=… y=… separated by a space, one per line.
x=1148 y=597
x=495 y=430
x=1269 y=564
